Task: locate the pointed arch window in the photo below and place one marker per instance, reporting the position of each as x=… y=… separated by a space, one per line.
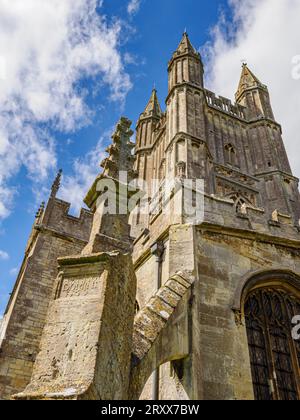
x=230 y=154
x=274 y=355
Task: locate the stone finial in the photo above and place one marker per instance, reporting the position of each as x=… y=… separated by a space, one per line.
x=275 y=216
x=120 y=157
x=56 y=184
x=111 y=229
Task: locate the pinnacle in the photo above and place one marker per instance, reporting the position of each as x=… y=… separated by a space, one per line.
x=248 y=80
x=120 y=151
x=185 y=45
x=56 y=184
x=153 y=108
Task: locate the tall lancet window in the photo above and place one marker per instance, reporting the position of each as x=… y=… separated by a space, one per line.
x=274 y=354
x=230 y=155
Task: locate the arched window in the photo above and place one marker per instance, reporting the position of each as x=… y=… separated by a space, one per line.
x=274 y=354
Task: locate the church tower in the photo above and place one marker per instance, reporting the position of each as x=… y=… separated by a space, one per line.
x=271 y=163
x=185 y=131
x=146 y=127
x=160 y=304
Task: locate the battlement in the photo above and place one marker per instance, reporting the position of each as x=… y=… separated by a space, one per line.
x=225 y=105
x=223 y=213
x=57 y=217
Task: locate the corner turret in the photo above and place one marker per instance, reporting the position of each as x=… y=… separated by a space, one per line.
x=185 y=65
x=254 y=95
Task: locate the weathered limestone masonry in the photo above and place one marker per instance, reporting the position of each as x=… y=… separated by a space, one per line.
x=162 y=304
x=250 y=227
x=86 y=345
x=54 y=234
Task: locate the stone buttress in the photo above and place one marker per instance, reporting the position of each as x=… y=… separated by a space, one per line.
x=86 y=345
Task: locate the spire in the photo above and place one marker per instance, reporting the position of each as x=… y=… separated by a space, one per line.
x=185 y=45
x=186 y=65
x=248 y=81
x=56 y=184
x=254 y=95
x=153 y=108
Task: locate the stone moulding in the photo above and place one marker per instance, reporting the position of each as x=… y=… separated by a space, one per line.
x=249 y=234
x=270 y=276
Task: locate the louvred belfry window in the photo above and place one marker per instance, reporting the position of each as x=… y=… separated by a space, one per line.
x=274 y=355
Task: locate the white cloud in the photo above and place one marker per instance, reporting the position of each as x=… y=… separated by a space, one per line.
x=130 y=59
x=266 y=34
x=4 y=255
x=133 y=6
x=75 y=187
x=46 y=48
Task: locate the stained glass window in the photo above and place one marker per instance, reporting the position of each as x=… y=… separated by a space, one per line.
x=274 y=355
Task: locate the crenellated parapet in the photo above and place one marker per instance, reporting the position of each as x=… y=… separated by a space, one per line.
x=225 y=105
x=249 y=220
x=58 y=219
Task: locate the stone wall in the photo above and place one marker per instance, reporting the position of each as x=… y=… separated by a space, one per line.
x=224 y=259
x=27 y=310
x=227 y=252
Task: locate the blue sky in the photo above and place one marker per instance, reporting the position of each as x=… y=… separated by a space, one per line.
x=65 y=107
x=149 y=37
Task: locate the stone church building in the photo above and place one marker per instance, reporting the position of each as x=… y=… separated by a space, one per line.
x=157 y=304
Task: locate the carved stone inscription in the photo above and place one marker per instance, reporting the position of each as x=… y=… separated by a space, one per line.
x=73 y=287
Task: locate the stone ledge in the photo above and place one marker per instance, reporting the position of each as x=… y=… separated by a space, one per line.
x=258 y=236
x=87 y=259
